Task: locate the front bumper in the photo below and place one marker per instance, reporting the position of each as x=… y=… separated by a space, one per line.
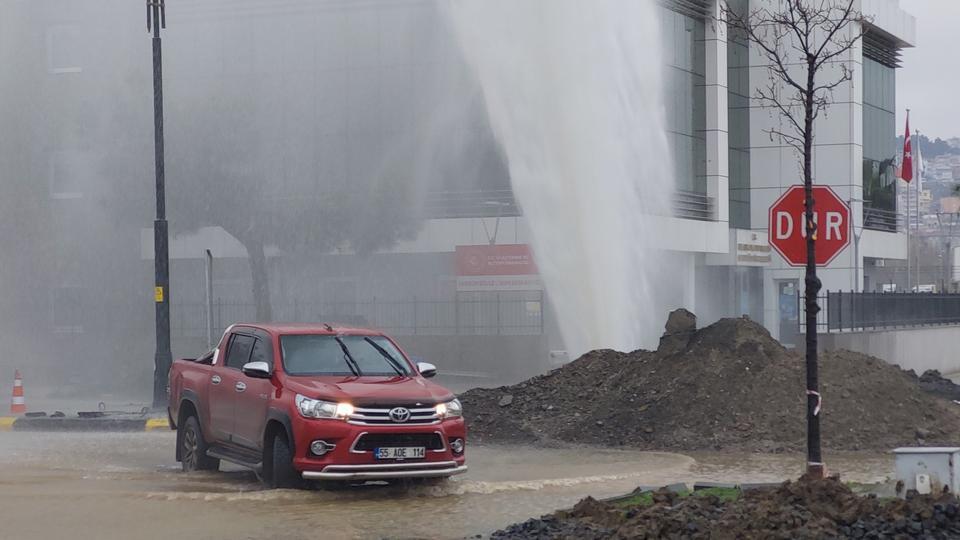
x=385 y=471
x=349 y=460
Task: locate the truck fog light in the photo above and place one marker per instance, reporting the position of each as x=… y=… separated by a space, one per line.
x=319 y=448
x=457 y=446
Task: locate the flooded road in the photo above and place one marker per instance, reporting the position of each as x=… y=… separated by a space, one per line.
x=108 y=486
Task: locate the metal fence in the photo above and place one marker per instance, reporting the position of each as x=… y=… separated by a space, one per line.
x=513 y=313
x=860 y=311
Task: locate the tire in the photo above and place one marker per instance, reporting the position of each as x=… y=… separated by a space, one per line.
x=193 y=449
x=282 y=474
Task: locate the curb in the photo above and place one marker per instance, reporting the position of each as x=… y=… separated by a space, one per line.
x=46 y=423
x=156 y=423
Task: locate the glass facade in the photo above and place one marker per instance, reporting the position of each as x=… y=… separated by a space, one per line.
x=879 y=136
x=685 y=97
x=738 y=104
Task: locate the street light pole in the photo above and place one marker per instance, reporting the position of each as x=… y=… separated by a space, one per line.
x=157 y=19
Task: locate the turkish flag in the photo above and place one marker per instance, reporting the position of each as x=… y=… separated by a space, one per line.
x=906 y=168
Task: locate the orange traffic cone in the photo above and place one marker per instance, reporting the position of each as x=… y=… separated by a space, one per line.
x=17 y=404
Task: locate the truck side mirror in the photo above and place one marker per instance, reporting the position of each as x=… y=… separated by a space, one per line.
x=427 y=369
x=257 y=370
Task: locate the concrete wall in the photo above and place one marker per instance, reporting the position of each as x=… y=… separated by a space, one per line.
x=918 y=349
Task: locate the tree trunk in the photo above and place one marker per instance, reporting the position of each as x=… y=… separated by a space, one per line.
x=815 y=465
x=261 y=285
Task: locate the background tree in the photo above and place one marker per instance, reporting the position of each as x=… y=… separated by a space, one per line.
x=223 y=173
x=807 y=45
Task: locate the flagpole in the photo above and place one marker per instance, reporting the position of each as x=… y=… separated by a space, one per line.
x=919 y=181
x=902 y=160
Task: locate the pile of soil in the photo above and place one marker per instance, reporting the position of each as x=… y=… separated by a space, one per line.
x=727 y=386
x=935 y=383
x=802 y=509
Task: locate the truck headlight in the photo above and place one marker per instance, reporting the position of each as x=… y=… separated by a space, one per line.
x=315 y=408
x=450 y=409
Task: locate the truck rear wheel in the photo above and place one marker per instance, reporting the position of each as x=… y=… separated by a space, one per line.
x=282 y=474
x=193 y=449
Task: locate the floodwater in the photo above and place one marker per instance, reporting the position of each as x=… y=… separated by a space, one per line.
x=108 y=486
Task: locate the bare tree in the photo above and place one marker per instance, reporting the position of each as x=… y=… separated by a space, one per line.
x=806 y=44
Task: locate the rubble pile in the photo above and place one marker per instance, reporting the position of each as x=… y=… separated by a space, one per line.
x=728 y=386
x=803 y=509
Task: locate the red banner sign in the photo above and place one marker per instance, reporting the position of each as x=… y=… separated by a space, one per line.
x=508 y=267
x=496 y=260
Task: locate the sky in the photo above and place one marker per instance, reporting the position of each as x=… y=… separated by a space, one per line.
x=927 y=84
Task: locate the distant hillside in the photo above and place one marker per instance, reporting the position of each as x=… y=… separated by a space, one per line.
x=936 y=147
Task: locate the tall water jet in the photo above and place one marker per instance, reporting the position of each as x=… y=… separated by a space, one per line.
x=574 y=94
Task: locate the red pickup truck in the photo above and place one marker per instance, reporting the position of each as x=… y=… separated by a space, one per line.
x=314 y=402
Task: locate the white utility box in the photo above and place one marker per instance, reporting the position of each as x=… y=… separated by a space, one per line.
x=928 y=470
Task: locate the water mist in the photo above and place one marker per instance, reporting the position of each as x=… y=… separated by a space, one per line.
x=574 y=94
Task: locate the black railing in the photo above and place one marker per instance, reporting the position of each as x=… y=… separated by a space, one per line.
x=881 y=220
x=471 y=204
x=692 y=205
x=857 y=312
x=502 y=203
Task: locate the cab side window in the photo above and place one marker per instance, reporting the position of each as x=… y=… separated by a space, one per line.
x=262 y=353
x=239 y=352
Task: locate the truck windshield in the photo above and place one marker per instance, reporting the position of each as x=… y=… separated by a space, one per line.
x=307 y=354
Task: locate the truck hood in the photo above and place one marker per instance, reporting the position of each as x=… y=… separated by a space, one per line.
x=371 y=390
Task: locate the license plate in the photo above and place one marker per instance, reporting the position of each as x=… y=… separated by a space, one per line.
x=401 y=453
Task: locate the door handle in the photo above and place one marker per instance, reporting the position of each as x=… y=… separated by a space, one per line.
x=240 y=386
x=215 y=379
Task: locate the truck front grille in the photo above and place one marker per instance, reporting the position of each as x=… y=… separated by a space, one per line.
x=380 y=416
x=369 y=441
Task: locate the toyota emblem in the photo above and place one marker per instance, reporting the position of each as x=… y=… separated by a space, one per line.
x=399 y=414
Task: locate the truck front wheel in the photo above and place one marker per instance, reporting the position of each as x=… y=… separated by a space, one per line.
x=282 y=474
x=193 y=449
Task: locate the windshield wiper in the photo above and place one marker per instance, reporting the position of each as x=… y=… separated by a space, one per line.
x=348 y=358
x=390 y=359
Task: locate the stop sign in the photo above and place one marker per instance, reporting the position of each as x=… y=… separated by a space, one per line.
x=788 y=235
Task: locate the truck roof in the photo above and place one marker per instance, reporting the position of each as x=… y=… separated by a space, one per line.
x=311 y=328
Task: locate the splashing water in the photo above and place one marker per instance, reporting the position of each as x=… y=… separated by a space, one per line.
x=574 y=94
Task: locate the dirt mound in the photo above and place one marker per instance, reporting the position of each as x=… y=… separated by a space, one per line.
x=802 y=509
x=935 y=383
x=729 y=385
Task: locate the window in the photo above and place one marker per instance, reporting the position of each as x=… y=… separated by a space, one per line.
x=238 y=353
x=370 y=353
x=738 y=104
x=686 y=97
x=341 y=355
x=879 y=138
x=262 y=353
